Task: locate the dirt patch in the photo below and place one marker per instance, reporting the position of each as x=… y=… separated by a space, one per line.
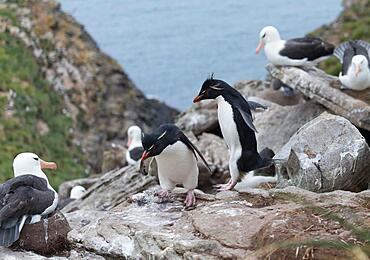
x=303 y=234
x=306 y=252
x=257 y=201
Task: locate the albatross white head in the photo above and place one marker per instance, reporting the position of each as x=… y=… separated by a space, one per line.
x=268 y=34
x=30 y=163
x=360 y=64
x=134 y=136
x=77 y=192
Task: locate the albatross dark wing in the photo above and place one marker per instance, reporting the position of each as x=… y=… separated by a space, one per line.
x=192 y=147
x=306 y=47
x=136 y=153
x=24 y=195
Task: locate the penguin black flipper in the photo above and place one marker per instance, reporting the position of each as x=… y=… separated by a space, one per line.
x=193 y=148
x=236 y=100
x=248 y=119
x=254 y=105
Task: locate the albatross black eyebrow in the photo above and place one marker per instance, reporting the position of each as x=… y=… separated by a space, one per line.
x=35 y=158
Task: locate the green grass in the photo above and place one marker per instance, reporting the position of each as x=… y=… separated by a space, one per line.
x=34 y=100
x=355 y=25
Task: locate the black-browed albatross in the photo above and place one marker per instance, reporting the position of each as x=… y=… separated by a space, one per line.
x=26 y=198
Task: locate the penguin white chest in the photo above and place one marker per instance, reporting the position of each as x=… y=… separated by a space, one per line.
x=177 y=165
x=228 y=125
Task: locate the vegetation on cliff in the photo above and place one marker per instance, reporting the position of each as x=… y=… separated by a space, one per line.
x=352 y=24
x=31 y=113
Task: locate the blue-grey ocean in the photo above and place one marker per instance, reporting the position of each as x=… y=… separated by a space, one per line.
x=169 y=47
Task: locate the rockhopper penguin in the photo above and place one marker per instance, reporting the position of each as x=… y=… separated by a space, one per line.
x=236 y=122
x=176 y=158
x=294 y=52
x=26 y=198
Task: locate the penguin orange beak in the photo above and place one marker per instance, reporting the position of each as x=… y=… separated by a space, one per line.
x=197 y=99
x=145 y=155
x=48 y=165
x=259 y=47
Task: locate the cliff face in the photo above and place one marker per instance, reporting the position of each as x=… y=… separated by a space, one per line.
x=61 y=96
x=353 y=23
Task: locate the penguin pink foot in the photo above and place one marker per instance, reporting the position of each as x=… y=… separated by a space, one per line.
x=190 y=199
x=163 y=193
x=228 y=186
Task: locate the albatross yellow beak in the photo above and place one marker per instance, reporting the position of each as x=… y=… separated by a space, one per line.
x=48 y=165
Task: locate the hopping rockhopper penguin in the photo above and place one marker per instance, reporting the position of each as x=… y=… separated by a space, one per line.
x=26 y=198
x=236 y=122
x=135 y=148
x=354 y=56
x=176 y=158
x=294 y=52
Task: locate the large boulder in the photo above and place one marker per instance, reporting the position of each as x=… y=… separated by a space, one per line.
x=47 y=237
x=276 y=125
x=327 y=154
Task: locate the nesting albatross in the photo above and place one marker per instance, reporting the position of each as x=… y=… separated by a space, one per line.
x=354 y=56
x=26 y=198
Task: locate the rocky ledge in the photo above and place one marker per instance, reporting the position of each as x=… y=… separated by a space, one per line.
x=318 y=210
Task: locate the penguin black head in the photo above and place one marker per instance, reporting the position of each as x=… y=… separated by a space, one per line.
x=156 y=142
x=211 y=89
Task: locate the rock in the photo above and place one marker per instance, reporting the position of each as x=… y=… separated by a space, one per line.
x=47 y=237
x=112 y=189
x=8 y=254
x=114 y=157
x=200 y=118
x=42 y=127
x=65 y=188
x=216 y=154
x=266 y=91
x=250 y=225
x=276 y=125
x=323 y=89
x=326 y=154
